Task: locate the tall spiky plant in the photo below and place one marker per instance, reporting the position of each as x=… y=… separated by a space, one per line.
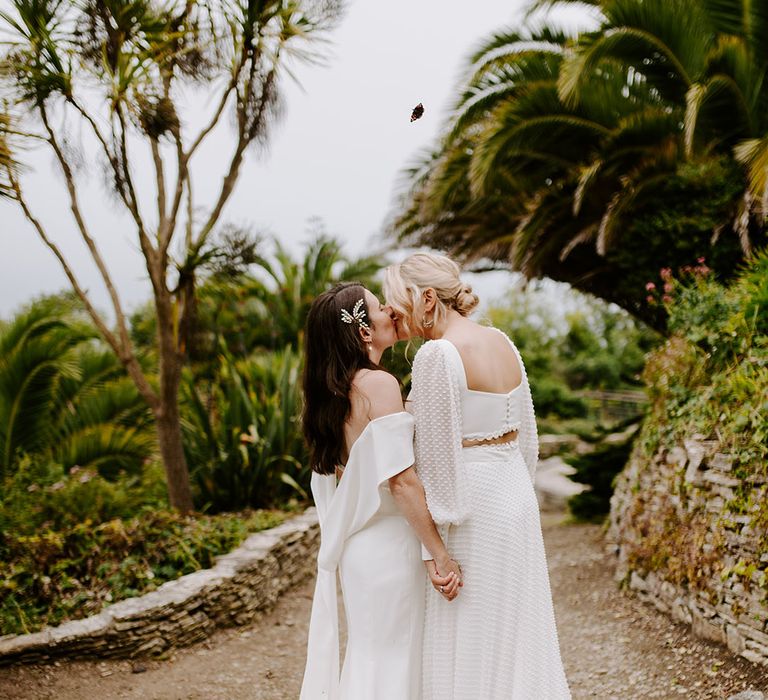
x=242 y=433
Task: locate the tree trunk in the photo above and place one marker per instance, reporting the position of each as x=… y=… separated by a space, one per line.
x=172 y=451
x=167 y=415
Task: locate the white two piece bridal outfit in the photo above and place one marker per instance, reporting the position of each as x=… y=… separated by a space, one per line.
x=365 y=536
x=498 y=639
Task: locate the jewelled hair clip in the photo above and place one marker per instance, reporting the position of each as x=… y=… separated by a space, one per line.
x=357 y=315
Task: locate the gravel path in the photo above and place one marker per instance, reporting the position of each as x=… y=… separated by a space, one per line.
x=613 y=647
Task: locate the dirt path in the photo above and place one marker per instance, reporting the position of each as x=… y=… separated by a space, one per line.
x=613 y=647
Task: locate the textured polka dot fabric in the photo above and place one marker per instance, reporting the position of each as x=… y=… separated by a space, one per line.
x=436 y=406
x=498 y=639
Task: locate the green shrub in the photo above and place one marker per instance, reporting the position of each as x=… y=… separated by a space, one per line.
x=753 y=289
x=705 y=313
x=51 y=576
x=711 y=376
x=43 y=495
x=598 y=470
x=571 y=342
x=552 y=396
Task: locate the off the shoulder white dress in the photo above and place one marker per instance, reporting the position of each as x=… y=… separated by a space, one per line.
x=378 y=557
x=498 y=639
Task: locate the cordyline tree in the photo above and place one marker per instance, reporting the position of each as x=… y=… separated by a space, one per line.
x=119 y=70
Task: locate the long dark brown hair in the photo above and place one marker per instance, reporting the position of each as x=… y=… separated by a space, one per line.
x=334 y=353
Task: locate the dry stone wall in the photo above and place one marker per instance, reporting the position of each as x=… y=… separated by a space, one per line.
x=690 y=535
x=243 y=583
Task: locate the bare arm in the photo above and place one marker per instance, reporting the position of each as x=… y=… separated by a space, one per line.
x=408 y=492
x=383 y=396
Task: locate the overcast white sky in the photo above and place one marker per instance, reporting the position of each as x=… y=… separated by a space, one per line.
x=336 y=155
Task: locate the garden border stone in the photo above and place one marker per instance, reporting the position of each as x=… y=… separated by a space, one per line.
x=243 y=583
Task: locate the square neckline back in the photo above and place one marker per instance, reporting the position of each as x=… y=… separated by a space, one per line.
x=506 y=394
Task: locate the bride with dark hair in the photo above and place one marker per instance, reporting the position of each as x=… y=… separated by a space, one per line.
x=371 y=506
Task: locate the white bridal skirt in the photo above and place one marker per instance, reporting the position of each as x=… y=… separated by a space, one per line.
x=382 y=581
x=366 y=539
x=497 y=640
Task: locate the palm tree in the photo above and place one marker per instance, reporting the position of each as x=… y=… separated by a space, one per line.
x=562 y=151
x=522 y=175
x=99 y=418
x=137 y=61
x=706 y=57
x=64 y=397
x=264 y=303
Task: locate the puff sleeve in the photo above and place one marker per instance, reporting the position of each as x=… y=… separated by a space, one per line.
x=528 y=436
x=436 y=407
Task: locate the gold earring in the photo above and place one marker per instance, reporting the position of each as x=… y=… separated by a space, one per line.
x=427 y=324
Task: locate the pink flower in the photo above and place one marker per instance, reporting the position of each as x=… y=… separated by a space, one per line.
x=667 y=299
x=650 y=286
x=668 y=287
x=650 y=299
x=666 y=273
x=700 y=260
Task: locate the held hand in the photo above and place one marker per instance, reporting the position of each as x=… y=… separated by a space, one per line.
x=444 y=585
x=446 y=577
x=449 y=565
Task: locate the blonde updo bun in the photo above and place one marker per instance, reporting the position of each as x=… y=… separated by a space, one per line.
x=405 y=282
x=466 y=301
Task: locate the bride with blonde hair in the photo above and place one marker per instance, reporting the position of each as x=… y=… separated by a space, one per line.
x=476 y=450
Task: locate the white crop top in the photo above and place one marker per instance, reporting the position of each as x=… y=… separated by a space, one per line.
x=485 y=414
x=446 y=412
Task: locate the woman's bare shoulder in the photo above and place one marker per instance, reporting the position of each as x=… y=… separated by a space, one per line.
x=368 y=380
x=381 y=392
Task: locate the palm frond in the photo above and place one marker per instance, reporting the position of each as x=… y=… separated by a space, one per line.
x=637 y=46
x=754 y=154
x=106 y=447
x=587 y=176
x=533 y=133
x=621 y=202
x=710 y=102
x=747 y=18
x=59 y=393
x=546 y=5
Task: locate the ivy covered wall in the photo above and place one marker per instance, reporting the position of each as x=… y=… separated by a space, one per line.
x=689 y=514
